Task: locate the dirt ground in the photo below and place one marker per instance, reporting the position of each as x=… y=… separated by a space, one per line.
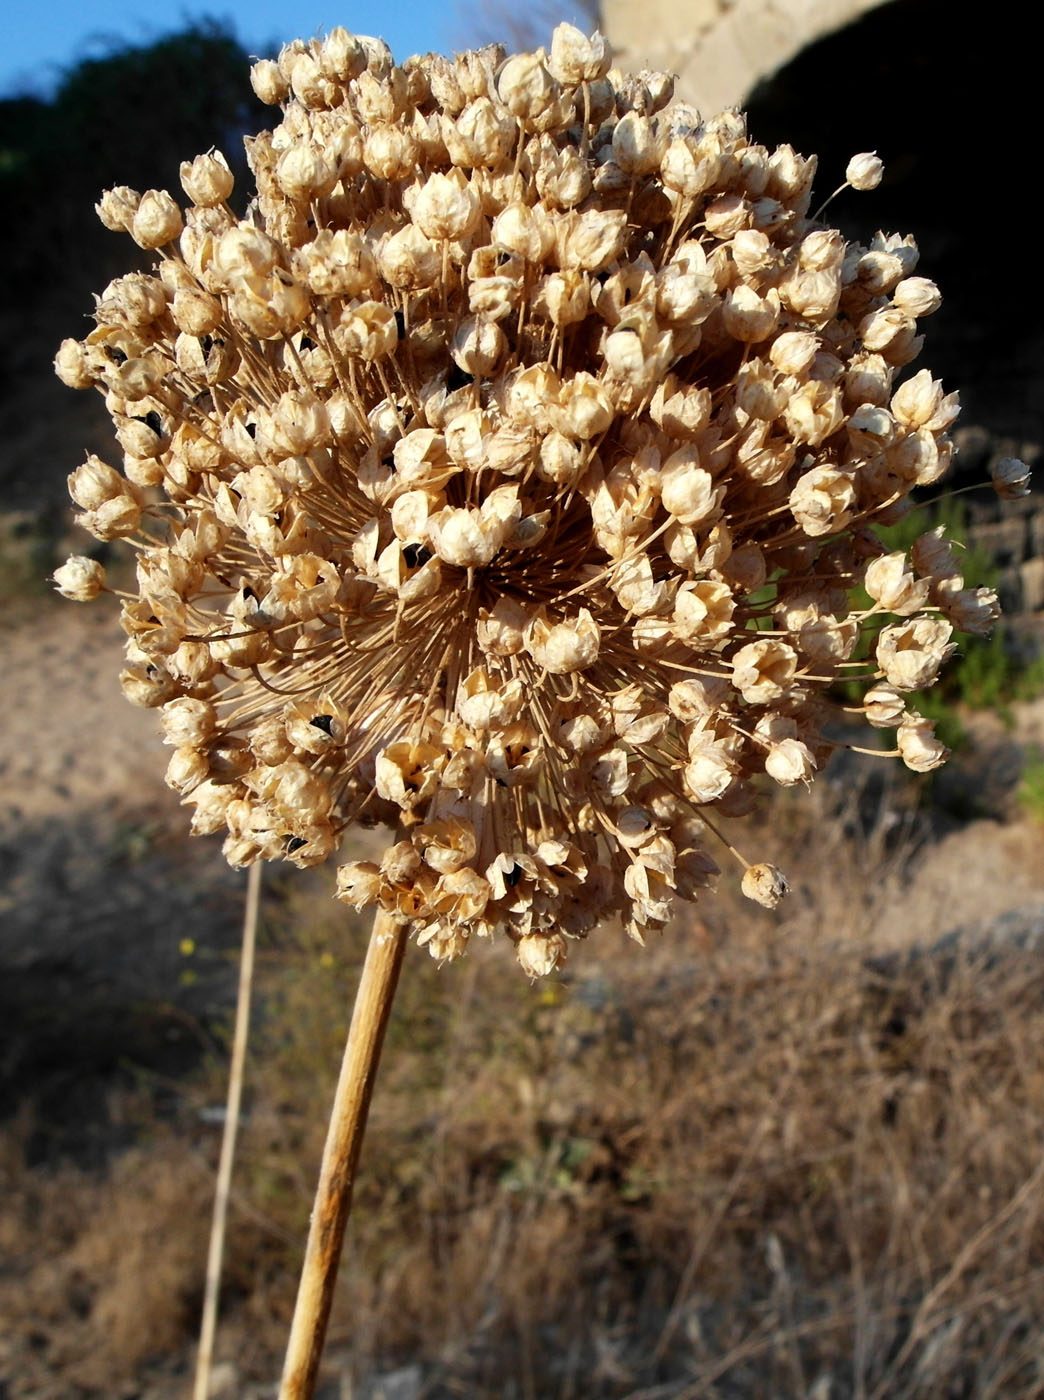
x=98 y=885
x=83 y=774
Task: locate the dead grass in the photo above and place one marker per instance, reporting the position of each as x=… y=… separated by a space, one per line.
x=746 y=1162
x=100 y=1272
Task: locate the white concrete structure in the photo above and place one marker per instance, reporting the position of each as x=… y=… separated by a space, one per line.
x=721 y=48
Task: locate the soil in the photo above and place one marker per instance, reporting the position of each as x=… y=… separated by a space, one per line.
x=117 y=934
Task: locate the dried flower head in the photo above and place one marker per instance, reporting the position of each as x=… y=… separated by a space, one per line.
x=506 y=475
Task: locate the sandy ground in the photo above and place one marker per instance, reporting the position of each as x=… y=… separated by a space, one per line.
x=98 y=885
x=86 y=821
x=984 y=868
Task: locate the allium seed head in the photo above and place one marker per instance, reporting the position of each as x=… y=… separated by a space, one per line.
x=507 y=477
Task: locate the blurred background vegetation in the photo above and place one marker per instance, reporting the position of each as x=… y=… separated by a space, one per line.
x=128 y=117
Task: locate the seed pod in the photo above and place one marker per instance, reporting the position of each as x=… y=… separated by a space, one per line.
x=207 y=180
x=79 y=578
x=864 y=171
x=157 y=220
x=765 y=885
x=117 y=208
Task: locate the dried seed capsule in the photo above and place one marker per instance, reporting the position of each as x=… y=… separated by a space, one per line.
x=157 y=220
x=117 y=207
x=765 y=885
x=207 y=180
x=864 y=171
x=1010 y=477
x=79 y=578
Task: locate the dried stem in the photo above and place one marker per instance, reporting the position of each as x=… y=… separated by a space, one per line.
x=333 y=1197
x=208 y=1325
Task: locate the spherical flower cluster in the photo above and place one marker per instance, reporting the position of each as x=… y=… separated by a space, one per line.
x=507 y=475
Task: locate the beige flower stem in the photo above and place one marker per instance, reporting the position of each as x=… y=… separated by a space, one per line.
x=333 y=1198
x=208 y=1325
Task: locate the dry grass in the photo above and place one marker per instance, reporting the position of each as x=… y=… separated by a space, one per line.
x=753 y=1165
x=99 y=1273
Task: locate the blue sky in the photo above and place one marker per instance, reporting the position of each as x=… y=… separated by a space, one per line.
x=37 y=41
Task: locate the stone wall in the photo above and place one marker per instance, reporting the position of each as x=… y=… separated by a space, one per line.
x=721 y=49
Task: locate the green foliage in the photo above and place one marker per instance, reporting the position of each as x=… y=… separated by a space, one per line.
x=986 y=674
x=1031 y=789
x=939 y=708
x=1029 y=682
x=128 y=117
x=26 y=558
x=949 y=512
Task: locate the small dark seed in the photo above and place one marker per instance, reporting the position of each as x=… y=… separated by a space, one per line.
x=415 y=555
x=323 y=722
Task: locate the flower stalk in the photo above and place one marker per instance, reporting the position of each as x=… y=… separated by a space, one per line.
x=215 y=1253
x=333 y=1199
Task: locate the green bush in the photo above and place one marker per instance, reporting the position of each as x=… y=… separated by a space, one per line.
x=987 y=673
x=1031 y=789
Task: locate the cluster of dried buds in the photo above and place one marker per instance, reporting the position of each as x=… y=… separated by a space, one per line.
x=507 y=475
